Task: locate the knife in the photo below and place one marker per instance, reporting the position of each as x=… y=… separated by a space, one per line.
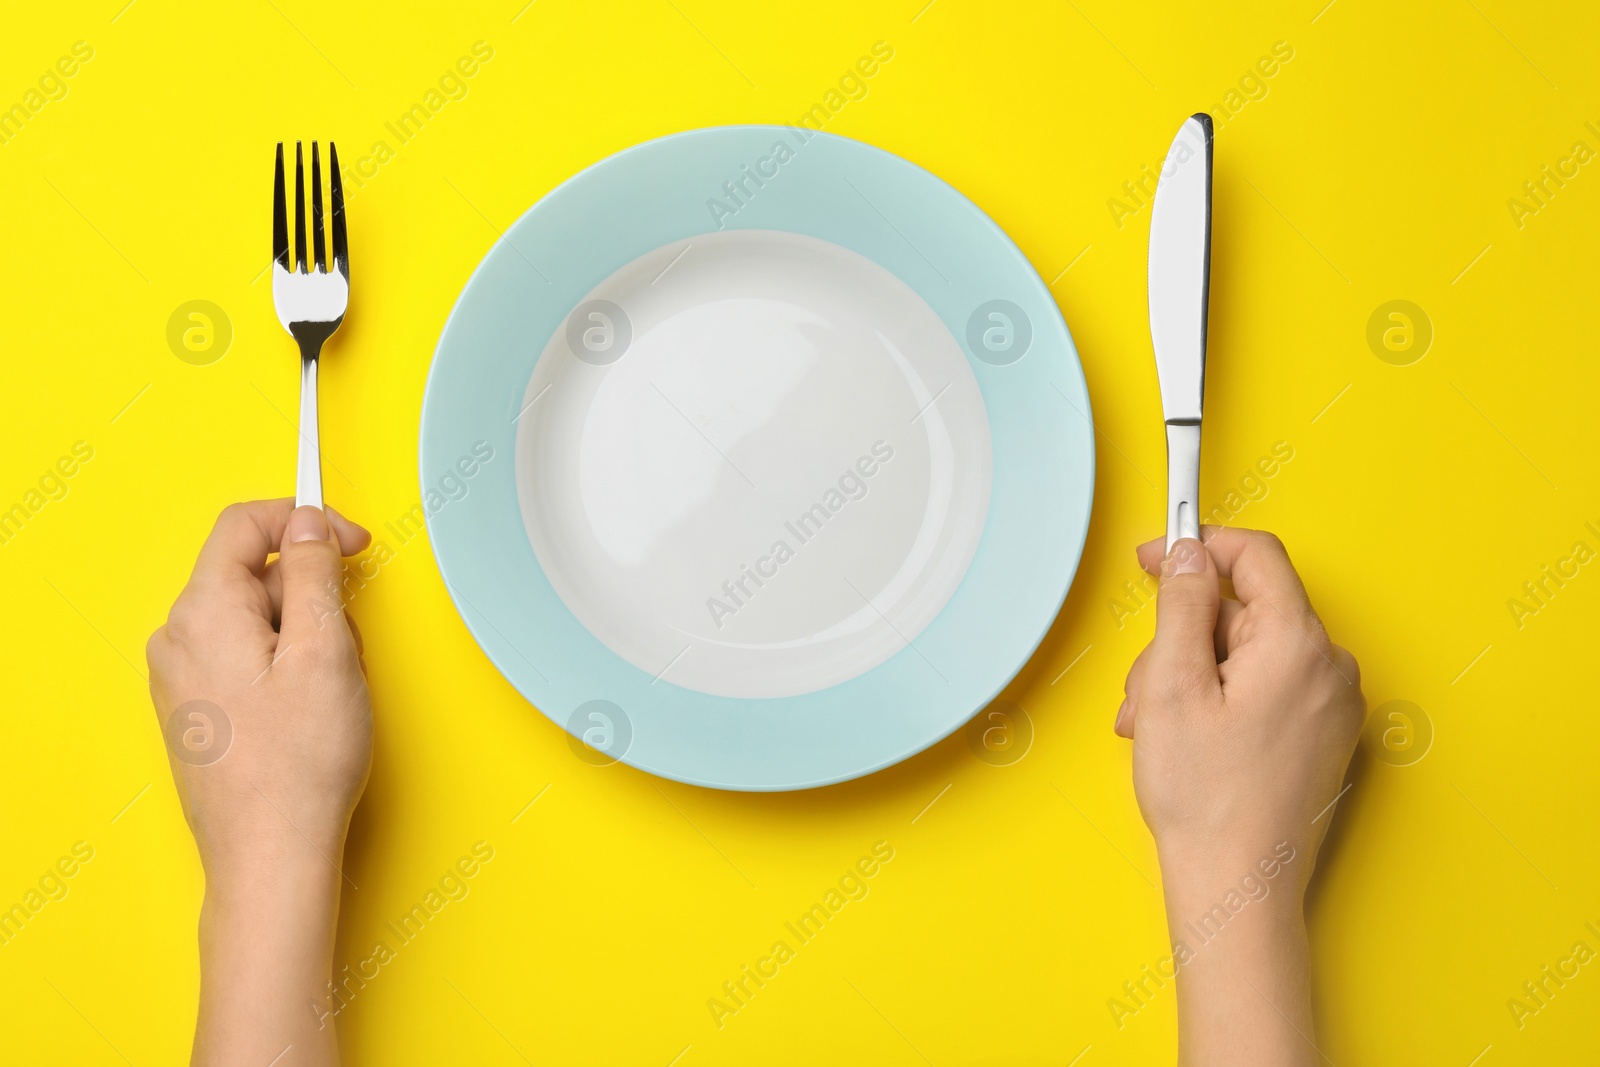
x=1180 y=282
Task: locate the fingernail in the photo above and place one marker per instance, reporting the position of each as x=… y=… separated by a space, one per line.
x=1188 y=556
x=1122 y=714
x=306 y=524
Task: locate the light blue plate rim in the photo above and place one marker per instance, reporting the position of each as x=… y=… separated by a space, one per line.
x=864 y=199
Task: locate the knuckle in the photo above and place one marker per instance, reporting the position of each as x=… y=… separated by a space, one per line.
x=1267 y=541
x=1346 y=662
x=311 y=553
x=1317 y=635
x=314 y=654
x=181 y=623
x=1177 y=686
x=1185 y=593
x=1136 y=671
x=1302 y=638
x=305 y=655
x=321 y=653
x=1168 y=688
x=155 y=649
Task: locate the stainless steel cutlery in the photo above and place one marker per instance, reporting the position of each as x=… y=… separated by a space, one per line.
x=310 y=299
x=1180 y=283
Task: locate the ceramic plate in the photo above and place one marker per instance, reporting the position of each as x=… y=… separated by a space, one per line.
x=756 y=458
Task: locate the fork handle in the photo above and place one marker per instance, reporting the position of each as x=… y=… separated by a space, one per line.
x=308 y=472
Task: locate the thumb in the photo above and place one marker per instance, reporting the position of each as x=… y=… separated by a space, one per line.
x=1186 y=616
x=310 y=568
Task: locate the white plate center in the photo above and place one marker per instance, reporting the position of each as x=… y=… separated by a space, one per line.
x=754 y=464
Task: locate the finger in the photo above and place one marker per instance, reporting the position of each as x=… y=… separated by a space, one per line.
x=1257 y=564
x=245 y=534
x=158 y=657
x=355 y=632
x=1151 y=553
x=1184 y=648
x=272 y=582
x=1254 y=560
x=310 y=569
x=1129 y=711
x=1229 y=612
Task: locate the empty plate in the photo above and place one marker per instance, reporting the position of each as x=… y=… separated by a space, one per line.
x=756 y=458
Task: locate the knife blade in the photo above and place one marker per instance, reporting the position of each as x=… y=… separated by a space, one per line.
x=1180 y=284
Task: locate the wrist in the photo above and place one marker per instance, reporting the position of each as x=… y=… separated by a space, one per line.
x=1207 y=888
x=266 y=959
x=267 y=850
x=278 y=924
x=1212 y=861
x=1243 y=978
x=1226 y=922
x=271 y=886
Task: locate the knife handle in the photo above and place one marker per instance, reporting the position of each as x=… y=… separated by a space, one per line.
x=1183 y=481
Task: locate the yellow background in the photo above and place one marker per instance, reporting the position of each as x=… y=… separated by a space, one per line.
x=1377 y=166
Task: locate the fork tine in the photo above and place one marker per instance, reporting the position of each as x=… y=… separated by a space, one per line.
x=299 y=208
x=318 y=247
x=280 y=215
x=341 y=253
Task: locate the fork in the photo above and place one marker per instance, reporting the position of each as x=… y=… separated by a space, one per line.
x=310 y=302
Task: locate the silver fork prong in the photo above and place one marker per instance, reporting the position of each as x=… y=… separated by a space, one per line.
x=341 y=252
x=280 y=215
x=299 y=209
x=319 y=248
